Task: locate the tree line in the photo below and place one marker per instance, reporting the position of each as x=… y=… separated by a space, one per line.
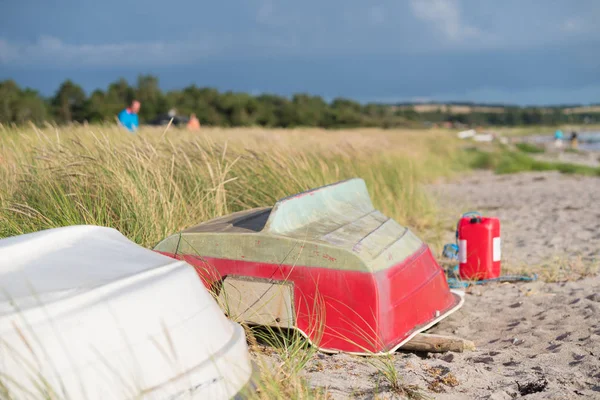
x=71 y=104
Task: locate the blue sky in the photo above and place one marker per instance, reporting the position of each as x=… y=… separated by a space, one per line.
x=511 y=51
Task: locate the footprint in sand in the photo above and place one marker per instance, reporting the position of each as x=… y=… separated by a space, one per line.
x=554 y=348
x=594 y=297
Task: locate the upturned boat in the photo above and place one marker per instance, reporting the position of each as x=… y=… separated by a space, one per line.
x=87 y=314
x=324 y=262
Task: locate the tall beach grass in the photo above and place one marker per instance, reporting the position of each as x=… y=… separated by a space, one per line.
x=158 y=182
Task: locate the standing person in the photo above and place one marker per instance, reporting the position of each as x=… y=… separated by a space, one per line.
x=574 y=140
x=558 y=137
x=129 y=116
x=193 y=124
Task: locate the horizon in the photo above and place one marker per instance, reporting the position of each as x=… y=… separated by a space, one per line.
x=535 y=54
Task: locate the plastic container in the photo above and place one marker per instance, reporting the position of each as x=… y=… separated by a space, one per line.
x=479 y=246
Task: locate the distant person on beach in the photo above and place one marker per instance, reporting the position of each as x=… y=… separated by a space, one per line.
x=128 y=118
x=573 y=140
x=558 y=138
x=193 y=124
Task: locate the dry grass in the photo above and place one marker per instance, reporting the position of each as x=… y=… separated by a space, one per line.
x=391 y=380
x=153 y=184
x=281 y=358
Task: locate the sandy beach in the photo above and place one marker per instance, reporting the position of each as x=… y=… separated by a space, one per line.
x=545 y=335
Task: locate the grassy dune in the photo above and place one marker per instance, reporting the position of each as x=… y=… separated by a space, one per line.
x=158 y=182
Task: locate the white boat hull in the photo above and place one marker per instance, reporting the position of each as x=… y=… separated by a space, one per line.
x=111 y=320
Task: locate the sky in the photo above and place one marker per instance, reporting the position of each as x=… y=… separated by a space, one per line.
x=525 y=52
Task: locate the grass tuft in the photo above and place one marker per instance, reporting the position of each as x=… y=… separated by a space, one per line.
x=503 y=161
x=392 y=380
x=529 y=148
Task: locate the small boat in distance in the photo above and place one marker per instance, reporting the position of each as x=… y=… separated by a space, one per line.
x=324 y=262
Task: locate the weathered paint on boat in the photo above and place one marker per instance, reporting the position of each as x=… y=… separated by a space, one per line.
x=360 y=282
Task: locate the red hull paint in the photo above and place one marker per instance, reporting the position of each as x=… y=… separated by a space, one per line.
x=351 y=311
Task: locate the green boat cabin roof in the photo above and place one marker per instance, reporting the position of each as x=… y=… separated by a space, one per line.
x=339 y=219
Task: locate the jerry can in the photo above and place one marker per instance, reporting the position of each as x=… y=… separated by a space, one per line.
x=479 y=247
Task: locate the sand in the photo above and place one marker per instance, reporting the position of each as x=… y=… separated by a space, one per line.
x=543 y=216
x=524 y=333
x=534 y=332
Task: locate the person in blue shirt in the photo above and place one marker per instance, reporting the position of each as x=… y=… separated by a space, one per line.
x=558 y=138
x=128 y=118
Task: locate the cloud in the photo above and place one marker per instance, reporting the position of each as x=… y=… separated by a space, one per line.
x=446 y=16
x=52 y=51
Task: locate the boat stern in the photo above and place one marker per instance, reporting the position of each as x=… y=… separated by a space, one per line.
x=412 y=297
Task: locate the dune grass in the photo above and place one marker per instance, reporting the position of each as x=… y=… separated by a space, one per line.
x=529 y=148
x=158 y=182
x=392 y=381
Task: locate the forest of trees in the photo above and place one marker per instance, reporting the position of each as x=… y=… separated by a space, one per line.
x=70 y=103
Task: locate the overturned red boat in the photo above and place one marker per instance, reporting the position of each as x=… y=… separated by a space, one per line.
x=325 y=262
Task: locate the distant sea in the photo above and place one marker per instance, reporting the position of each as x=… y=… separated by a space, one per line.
x=589 y=141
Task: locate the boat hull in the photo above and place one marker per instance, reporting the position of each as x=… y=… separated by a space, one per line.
x=86 y=313
x=348 y=311
x=324 y=262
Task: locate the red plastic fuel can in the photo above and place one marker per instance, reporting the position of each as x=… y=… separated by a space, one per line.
x=479 y=247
